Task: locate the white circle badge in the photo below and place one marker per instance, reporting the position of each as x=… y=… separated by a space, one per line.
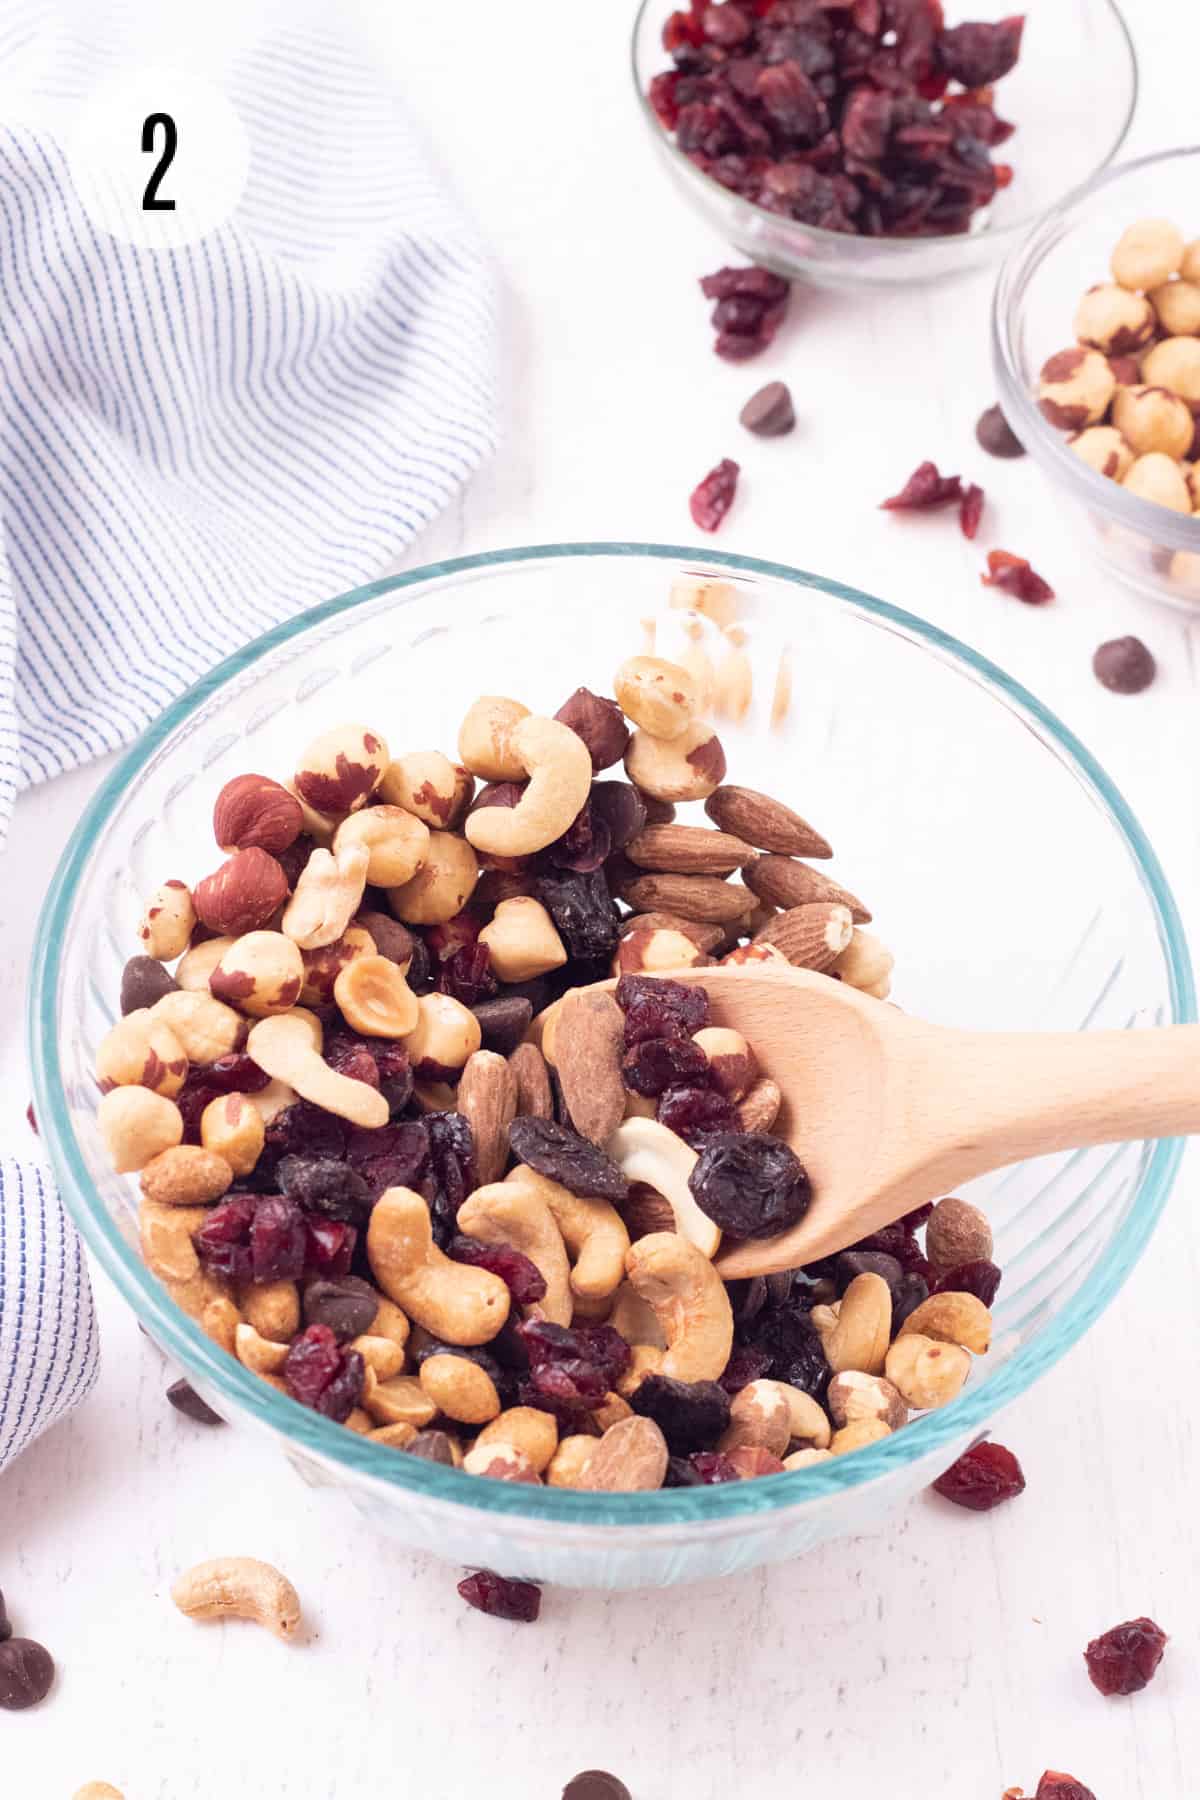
x=158 y=157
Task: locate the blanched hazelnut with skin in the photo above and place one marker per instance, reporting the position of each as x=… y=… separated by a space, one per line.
x=1111 y=319
x=522 y=941
x=340 y=770
x=866 y=964
x=688 y=767
x=1147 y=254
x=168 y=922
x=1160 y=479
x=204 y=1025
x=1074 y=388
x=485 y=738
x=651 y=951
x=374 y=998
x=136 y=1126
x=1152 y=418
x=1103 y=448
x=732 y=1066
x=232 y=1127
x=196 y=967
x=1174 y=364
x=445 y=1035
x=323 y=965
x=657 y=695
x=430 y=786
x=141 y=1050
x=395 y=840
x=260 y=974
x=1177 y=304
x=442 y=885
x=853 y=1396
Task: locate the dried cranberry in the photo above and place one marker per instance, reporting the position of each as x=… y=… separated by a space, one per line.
x=981 y=1278
x=656 y=1064
x=713 y=1466
x=313 y=1362
x=690 y=1414
x=970 y=509
x=223 y=1241
x=662 y=97
x=523 y=1278
x=678 y=999
x=321 y=1184
x=750 y=1185
x=500 y=1598
x=235 y=1074
x=792 y=101
x=467 y=975
x=694 y=1113
x=351 y=1056
x=1015 y=576
x=1054 y=1785
x=925 y=490
x=302 y=1129
x=445 y=940
x=712 y=498
x=278 y=1240
x=563 y=1156
x=583 y=912
x=1124 y=1660
x=978 y=54
x=984 y=1477
x=606 y=1348
x=329 y=1246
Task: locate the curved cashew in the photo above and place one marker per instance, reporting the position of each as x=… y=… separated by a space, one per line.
x=592 y=1230
x=239 y=1587
x=691 y=1302
x=635 y=1318
x=326 y=896
x=646 y=1151
x=858 y=1334
x=485 y=738
x=220 y=1320
x=272 y=1307
x=261 y=1354
x=399 y=1401
x=459 y=1388
x=517 y=1213
x=382 y=1354
x=283 y=1046
x=528 y=1429
x=644 y=1359
x=457 y=1303
x=560 y=776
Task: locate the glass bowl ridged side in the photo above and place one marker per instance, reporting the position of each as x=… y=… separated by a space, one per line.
x=928 y=837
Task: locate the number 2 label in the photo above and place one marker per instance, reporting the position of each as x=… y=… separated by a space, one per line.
x=151 y=200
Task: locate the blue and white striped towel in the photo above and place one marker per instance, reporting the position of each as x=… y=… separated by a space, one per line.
x=197 y=443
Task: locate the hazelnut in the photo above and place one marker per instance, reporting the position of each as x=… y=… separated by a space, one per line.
x=1174 y=364
x=1189 y=268
x=323 y=965
x=445 y=1035
x=866 y=964
x=196 y=967
x=396 y=843
x=1147 y=254
x=204 y=1025
x=1074 y=388
x=957 y=1233
x=442 y=885
x=430 y=786
x=141 y=1050
x=260 y=974
x=600 y=723
x=759 y=1417
x=167 y=922
x=341 y=769
x=1177 y=304
x=717 y=600
x=232 y=1128
x=688 y=767
x=1103 y=448
x=857 y=1435
x=649 y=950
x=136 y=1125
x=242 y=895
x=1152 y=418
x=732 y=1067
x=522 y=942
x=1126 y=370
x=924 y=1373
x=1158 y=478
x=374 y=998
x=853 y=1396
x=389 y=937
x=1111 y=319
x=252 y=812
x=657 y=695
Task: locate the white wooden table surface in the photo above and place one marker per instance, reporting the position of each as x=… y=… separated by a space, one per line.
x=939 y=1657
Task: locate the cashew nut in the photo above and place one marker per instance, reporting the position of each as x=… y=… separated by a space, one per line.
x=644 y=1359
x=326 y=897
x=657 y=695
x=239 y=1587
x=690 y=1301
x=263 y=1355
x=168 y=922
x=270 y=1101
x=395 y=841
x=460 y=1389
x=141 y=1050
x=857 y=1335
x=566 y=1467
x=206 y=1028
x=441 y=886
x=866 y=964
x=522 y=941
x=559 y=767
x=528 y=1429
x=646 y=1151
x=374 y=998
x=635 y=1318
x=688 y=767
x=220 y=1319
x=136 y=1125
x=401 y=1400
x=283 y=1046
x=592 y=1230
x=457 y=1303
x=272 y=1307
x=517 y=1213
x=485 y=738
x=428 y=785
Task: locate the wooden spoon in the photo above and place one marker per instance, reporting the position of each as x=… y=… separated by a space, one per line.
x=887 y=1112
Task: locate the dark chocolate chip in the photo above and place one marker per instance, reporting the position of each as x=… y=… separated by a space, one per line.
x=143 y=981
x=434 y=1446
x=347 y=1305
x=1124 y=665
x=26 y=1674
x=770 y=412
x=852 y=1263
x=595 y=1784
x=185 y=1399
x=622 y=809
x=996 y=435
x=391 y=939
x=503 y=1022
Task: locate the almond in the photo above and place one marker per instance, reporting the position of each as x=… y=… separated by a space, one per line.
x=631 y=1456
x=646 y=1211
x=693 y=896
x=811 y=937
x=254 y=812
x=588 y=1043
x=760 y=1109
x=487 y=1099
x=528 y=1065
x=767 y=824
x=786 y=883
x=705 y=937
x=688 y=850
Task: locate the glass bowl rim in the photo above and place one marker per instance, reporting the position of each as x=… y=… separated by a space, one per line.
x=899 y=246
x=725 y=1507
x=1180 y=530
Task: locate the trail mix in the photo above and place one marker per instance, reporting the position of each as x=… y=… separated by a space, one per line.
x=401 y=1157
x=865 y=116
x=1128 y=390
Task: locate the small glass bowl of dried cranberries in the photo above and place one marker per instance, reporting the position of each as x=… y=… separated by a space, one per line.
x=880 y=141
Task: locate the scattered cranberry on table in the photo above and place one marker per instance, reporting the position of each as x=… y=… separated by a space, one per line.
x=712 y=498
x=500 y=1598
x=925 y=491
x=750 y=306
x=1125 y=1659
x=1016 y=576
x=984 y=1477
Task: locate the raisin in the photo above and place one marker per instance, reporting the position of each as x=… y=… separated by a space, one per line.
x=925 y=490
x=467 y=975
x=322 y=1185
x=980 y=1278
x=744 y=1366
x=970 y=509
x=563 y=1156
x=1015 y=576
x=523 y=1278
x=451 y=1172
x=655 y=1064
x=694 y=1113
x=1124 y=665
x=690 y=1414
x=751 y=1186
x=1124 y=1660
x=712 y=497
x=583 y=847
x=500 y=1598
x=391 y=1156
x=301 y=1129
x=985 y=1476
x=583 y=912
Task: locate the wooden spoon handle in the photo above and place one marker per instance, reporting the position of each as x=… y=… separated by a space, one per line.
x=1012 y=1095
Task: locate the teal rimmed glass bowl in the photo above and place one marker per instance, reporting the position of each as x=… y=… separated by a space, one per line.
x=1003 y=868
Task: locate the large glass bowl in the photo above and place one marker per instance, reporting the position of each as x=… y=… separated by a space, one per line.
x=1150 y=549
x=1008 y=874
x=1072 y=97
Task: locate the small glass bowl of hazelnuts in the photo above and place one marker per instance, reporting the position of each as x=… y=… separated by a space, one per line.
x=1096 y=347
